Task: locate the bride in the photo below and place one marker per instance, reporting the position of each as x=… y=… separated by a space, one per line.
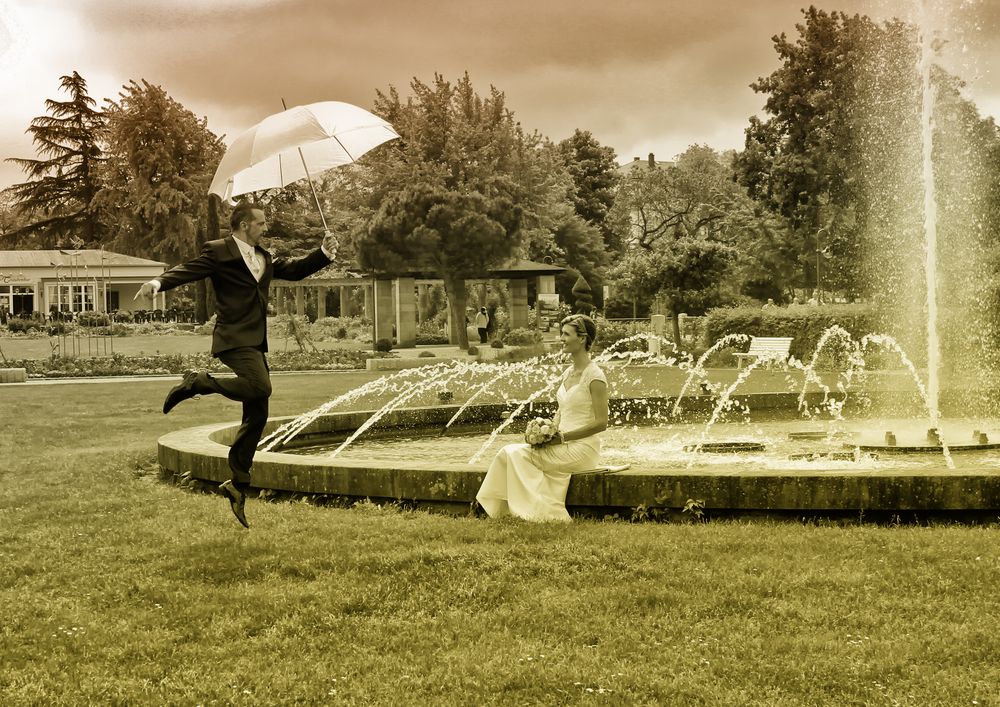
x=530 y=481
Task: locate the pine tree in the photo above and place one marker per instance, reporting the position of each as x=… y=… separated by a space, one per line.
x=583 y=297
x=57 y=199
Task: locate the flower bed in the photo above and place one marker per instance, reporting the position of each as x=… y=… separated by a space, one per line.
x=119 y=365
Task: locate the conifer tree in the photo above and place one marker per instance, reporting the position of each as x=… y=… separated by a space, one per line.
x=57 y=201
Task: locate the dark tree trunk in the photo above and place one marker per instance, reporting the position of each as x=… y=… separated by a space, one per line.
x=455 y=290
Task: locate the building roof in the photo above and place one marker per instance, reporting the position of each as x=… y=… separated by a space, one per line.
x=69 y=258
x=639 y=163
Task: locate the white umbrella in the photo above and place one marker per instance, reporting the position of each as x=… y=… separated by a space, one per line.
x=296 y=143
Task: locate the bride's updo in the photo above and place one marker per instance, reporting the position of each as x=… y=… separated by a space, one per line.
x=584 y=326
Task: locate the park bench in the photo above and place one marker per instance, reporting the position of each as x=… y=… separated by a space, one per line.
x=766 y=348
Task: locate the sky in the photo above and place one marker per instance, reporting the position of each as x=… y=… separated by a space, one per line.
x=641 y=75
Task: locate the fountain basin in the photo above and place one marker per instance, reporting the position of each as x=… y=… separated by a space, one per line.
x=451 y=485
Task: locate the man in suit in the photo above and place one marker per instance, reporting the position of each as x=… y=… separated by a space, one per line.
x=241 y=273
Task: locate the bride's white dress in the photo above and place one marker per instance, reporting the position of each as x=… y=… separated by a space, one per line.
x=532 y=483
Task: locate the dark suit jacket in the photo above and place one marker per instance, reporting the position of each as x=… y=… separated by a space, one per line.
x=240 y=301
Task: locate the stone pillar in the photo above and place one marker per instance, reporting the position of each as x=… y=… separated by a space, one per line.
x=406 y=312
x=369 y=303
x=300 y=304
x=345 y=301
x=421 y=303
x=384 y=315
x=518 y=304
x=321 y=303
x=658 y=325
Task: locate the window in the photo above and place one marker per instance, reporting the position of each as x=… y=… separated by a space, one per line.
x=18 y=299
x=71 y=298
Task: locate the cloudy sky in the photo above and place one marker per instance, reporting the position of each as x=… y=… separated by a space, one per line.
x=642 y=75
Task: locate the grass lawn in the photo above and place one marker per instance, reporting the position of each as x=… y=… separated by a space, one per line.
x=117 y=588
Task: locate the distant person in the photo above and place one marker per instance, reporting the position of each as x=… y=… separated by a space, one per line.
x=482 y=322
x=815 y=300
x=769 y=304
x=241 y=272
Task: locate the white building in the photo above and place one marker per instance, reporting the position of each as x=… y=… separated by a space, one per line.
x=74 y=281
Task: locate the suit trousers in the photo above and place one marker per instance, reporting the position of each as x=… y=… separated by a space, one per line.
x=252 y=387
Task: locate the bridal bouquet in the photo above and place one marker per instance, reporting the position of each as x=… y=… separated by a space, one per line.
x=540 y=431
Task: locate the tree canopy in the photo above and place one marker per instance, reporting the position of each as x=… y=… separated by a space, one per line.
x=444 y=195
x=594 y=171
x=57 y=201
x=161 y=158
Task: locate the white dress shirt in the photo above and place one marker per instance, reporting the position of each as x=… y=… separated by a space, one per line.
x=252 y=258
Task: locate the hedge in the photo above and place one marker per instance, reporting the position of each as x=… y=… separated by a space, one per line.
x=804 y=324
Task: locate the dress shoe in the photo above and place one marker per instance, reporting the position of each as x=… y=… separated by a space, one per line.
x=237 y=500
x=187 y=389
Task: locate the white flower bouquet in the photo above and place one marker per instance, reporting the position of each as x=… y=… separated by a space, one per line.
x=540 y=431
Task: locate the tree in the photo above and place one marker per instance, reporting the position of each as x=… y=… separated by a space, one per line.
x=444 y=194
x=577 y=245
x=161 y=159
x=457 y=235
x=840 y=156
x=594 y=171
x=584 y=300
x=841 y=137
x=11 y=218
x=684 y=224
x=694 y=196
x=57 y=201
x=687 y=273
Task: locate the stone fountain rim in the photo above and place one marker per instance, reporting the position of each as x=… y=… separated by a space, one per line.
x=202 y=452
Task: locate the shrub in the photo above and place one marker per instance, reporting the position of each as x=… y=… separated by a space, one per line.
x=430 y=332
x=608 y=333
x=523 y=337
x=93 y=319
x=383 y=345
x=473 y=351
x=206 y=328
x=340 y=328
x=496 y=344
x=116 y=329
x=21 y=325
x=426 y=354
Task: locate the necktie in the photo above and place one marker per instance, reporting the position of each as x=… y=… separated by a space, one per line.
x=255 y=267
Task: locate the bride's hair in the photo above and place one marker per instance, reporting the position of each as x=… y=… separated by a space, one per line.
x=584 y=325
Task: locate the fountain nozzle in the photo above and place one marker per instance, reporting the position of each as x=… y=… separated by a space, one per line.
x=890 y=439
x=934 y=435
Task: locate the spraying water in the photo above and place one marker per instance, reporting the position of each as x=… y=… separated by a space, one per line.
x=930 y=213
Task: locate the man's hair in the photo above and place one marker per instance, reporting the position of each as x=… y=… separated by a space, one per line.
x=584 y=326
x=243 y=212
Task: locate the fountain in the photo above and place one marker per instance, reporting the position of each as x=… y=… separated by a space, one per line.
x=796 y=439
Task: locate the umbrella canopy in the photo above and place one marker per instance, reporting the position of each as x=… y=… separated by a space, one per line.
x=297 y=143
